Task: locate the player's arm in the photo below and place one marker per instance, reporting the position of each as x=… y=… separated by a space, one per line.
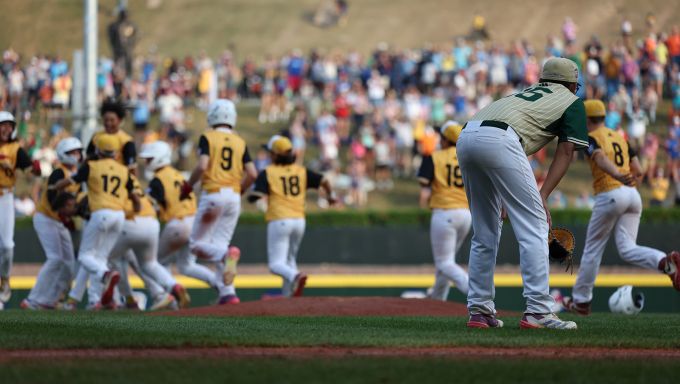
x=602 y=161
x=635 y=166
x=24 y=162
x=250 y=172
x=134 y=194
x=425 y=177
x=130 y=156
x=91 y=150
x=261 y=188
x=79 y=177
x=201 y=166
x=316 y=181
x=157 y=192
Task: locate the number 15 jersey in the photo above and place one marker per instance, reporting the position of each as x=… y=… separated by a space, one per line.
x=228 y=155
x=442 y=173
x=616 y=149
x=287 y=187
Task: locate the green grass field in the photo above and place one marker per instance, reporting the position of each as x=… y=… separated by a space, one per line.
x=21 y=330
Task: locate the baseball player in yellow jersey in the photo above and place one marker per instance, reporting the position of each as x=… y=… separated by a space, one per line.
x=618 y=206
x=53 y=223
x=12 y=158
x=113 y=114
x=442 y=188
x=225 y=170
x=109 y=186
x=286 y=183
x=140 y=235
x=492 y=153
x=177 y=214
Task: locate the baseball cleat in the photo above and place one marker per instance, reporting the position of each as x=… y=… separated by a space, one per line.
x=546 y=320
x=230 y=262
x=165 y=301
x=69 y=305
x=570 y=305
x=299 y=284
x=228 y=299
x=31 y=305
x=672 y=268
x=182 y=296
x=479 y=320
x=5 y=291
x=109 y=282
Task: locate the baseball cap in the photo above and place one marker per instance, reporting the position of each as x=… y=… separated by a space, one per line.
x=107 y=143
x=451 y=130
x=594 y=108
x=279 y=145
x=560 y=69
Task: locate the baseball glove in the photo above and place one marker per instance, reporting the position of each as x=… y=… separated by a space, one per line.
x=561 y=247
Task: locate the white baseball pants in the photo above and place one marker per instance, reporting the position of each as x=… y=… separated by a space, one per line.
x=57 y=272
x=216 y=219
x=283 y=242
x=618 y=210
x=99 y=237
x=448 y=230
x=497 y=174
x=174 y=245
x=6 y=232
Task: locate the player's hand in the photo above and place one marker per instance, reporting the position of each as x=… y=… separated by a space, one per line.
x=68 y=222
x=547 y=212
x=185 y=191
x=35 y=168
x=626 y=178
x=332 y=199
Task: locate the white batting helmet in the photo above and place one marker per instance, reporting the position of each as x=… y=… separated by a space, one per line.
x=222 y=112
x=625 y=302
x=159 y=152
x=6 y=116
x=65 y=146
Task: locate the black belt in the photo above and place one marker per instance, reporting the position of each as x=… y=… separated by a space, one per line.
x=492 y=123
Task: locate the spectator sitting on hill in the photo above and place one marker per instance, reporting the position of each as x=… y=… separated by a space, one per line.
x=659 y=185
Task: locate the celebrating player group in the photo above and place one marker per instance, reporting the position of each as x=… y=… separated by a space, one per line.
x=479 y=176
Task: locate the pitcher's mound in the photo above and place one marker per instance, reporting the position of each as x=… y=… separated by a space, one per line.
x=332 y=306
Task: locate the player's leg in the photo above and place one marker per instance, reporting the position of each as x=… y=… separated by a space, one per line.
x=463 y=223
x=49 y=236
x=486 y=224
x=6 y=244
x=626 y=232
x=77 y=291
x=443 y=240
x=278 y=240
x=207 y=215
x=296 y=235
x=222 y=235
x=110 y=228
x=602 y=220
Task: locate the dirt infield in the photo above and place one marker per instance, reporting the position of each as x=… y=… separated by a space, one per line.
x=338 y=352
x=331 y=306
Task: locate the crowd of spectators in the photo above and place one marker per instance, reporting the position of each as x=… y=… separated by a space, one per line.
x=366 y=120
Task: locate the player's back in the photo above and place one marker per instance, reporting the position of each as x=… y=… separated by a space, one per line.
x=107 y=184
x=616 y=149
x=146 y=208
x=225 y=168
x=447 y=185
x=287 y=186
x=174 y=207
x=537 y=114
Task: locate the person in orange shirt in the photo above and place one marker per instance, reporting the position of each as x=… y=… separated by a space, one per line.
x=673 y=44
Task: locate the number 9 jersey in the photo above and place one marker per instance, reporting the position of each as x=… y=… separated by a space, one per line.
x=442 y=173
x=108 y=183
x=287 y=187
x=228 y=154
x=616 y=149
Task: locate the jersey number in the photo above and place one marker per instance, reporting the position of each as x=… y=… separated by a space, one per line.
x=618 y=154
x=291 y=185
x=454 y=176
x=533 y=94
x=115 y=184
x=227 y=154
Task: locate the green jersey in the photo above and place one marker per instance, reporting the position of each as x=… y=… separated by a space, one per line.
x=540 y=113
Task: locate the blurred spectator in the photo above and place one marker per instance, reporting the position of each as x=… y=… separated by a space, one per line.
x=659 y=185
x=637 y=128
x=24 y=206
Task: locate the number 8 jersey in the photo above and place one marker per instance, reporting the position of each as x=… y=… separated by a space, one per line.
x=442 y=173
x=108 y=183
x=616 y=149
x=287 y=187
x=228 y=154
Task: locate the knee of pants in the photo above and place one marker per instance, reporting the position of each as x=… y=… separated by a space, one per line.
x=444 y=264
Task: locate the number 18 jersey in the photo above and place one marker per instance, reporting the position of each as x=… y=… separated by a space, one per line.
x=442 y=173
x=287 y=187
x=616 y=149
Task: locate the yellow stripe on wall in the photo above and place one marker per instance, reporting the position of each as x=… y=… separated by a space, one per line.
x=393 y=281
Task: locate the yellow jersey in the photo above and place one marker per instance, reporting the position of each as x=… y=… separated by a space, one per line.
x=165 y=188
x=108 y=183
x=228 y=155
x=442 y=172
x=616 y=149
x=286 y=186
x=12 y=157
x=146 y=205
x=47 y=197
x=128 y=154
